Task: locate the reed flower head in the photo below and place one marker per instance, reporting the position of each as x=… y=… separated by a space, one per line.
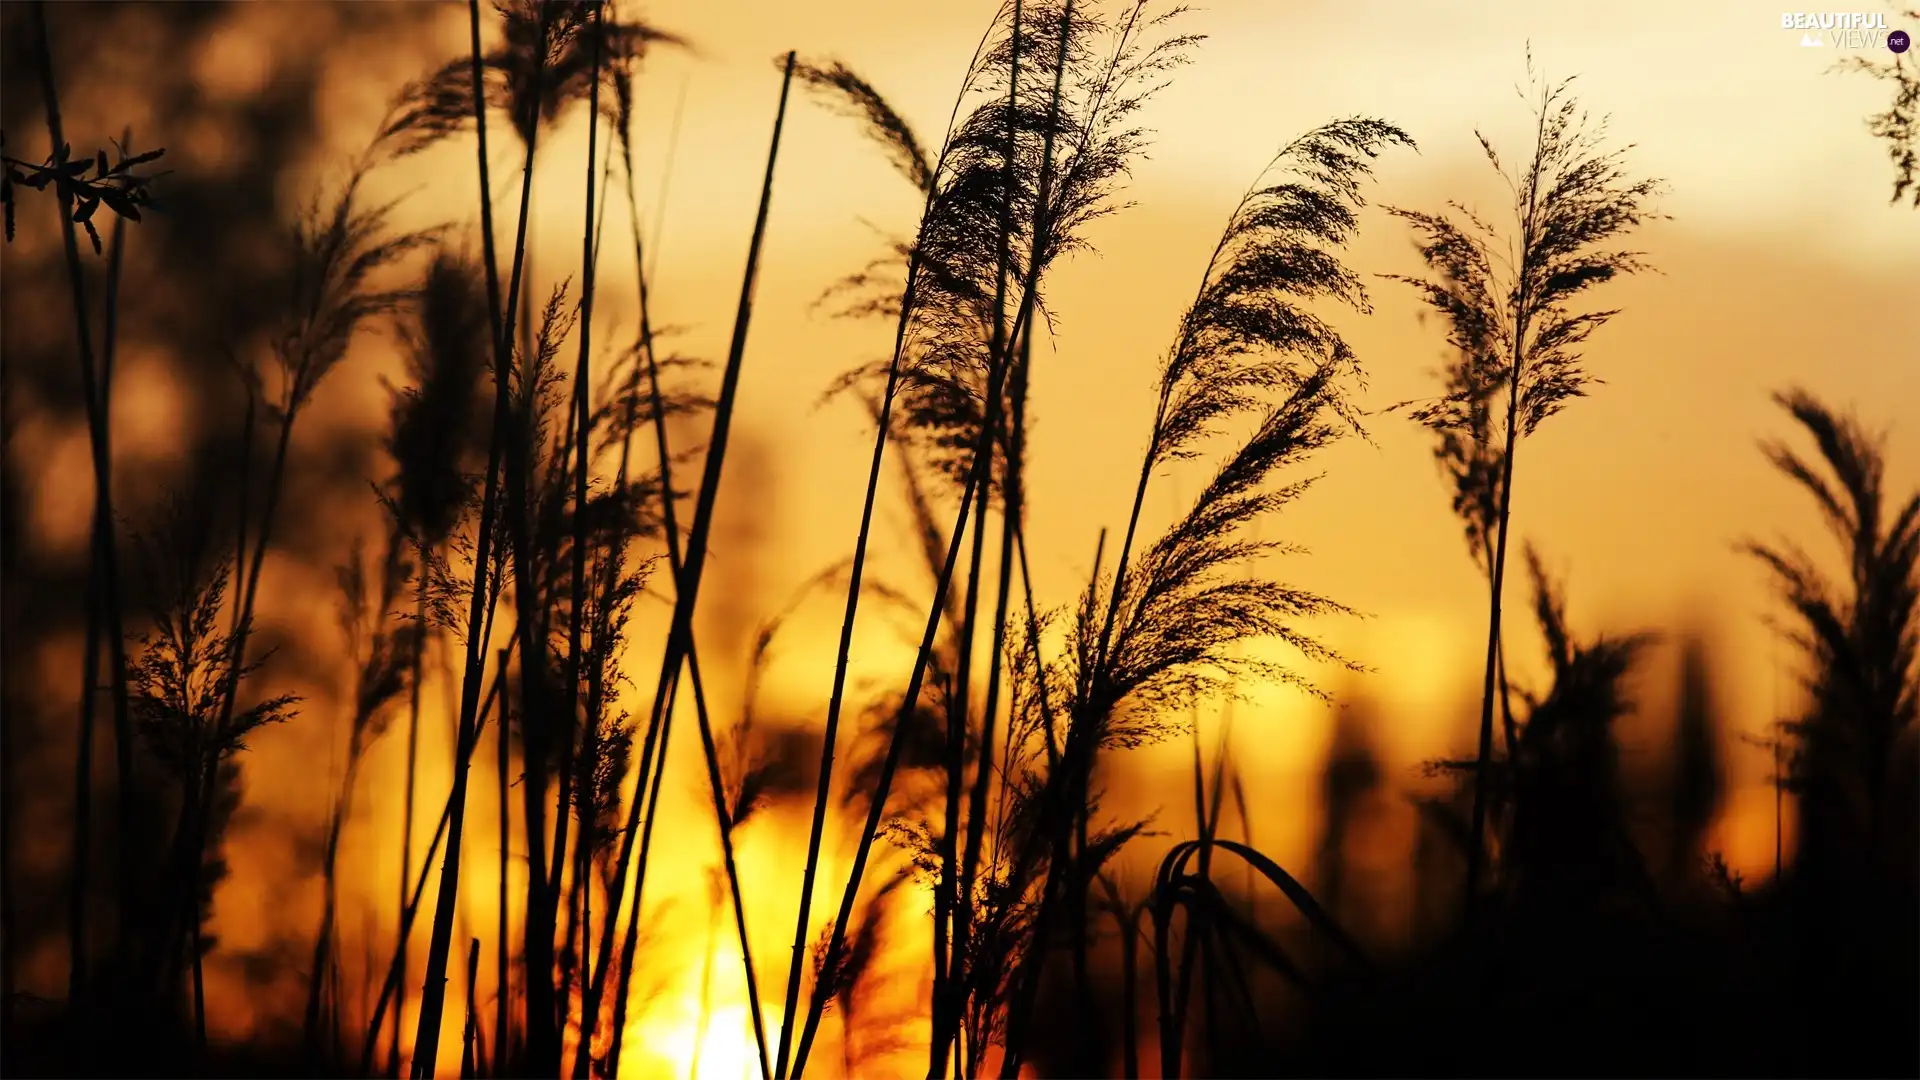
x=182 y=667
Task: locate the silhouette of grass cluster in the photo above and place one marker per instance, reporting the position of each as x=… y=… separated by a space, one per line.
x=536 y=481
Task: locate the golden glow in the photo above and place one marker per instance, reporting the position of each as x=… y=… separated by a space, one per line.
x=670 y=1041
x=1783 y=263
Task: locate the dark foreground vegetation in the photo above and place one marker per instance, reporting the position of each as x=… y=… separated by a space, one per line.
x=537 y=479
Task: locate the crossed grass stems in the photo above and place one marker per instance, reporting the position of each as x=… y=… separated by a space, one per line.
x=520 y=506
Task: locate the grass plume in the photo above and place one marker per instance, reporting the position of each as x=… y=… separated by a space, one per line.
x=1517 y=322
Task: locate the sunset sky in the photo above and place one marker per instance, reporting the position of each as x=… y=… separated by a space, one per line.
x=1783 y=263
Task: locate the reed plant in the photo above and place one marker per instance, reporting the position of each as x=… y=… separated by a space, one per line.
x=1513 y=305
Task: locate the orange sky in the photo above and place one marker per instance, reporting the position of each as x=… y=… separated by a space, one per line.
x=1783 y=263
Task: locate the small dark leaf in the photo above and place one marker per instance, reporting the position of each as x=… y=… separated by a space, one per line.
x=119 y=203
x=93 y=234
x=100 y=163
x=85 y=213
x=38 y=181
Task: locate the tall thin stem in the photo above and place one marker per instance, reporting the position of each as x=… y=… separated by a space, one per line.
x=392 y=987
x=823 y=792
x=433 y=990
x=90 y=691
x=659 y=724
x=503 y=970
x=1522 y=302
x=949 y=941
x=412 y=783
x=1011 y=506
x=836 y=944
x=982 y=453
x=725 y=822
x=678 y=651
x=96 y=393
x=583 y=429
x=630 y=943
x=982 y=458
x=471 y=1028
x=661 y=728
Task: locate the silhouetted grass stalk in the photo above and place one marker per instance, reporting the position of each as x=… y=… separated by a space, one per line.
x=104 y=568
x=1196 y=939
x=949 y=939
x=977 y=473
x=392 y=988
x=837 y=698
x=1519 y=334
x=1859 y=638
x=658 y=724
x=1276 y=250
x=1476 y=846
x=433 y=990
x=977 y=476
x=583 y=429
x=97 y=618
x=661 y=727
x=502 y=1021
x=837 y=942
x=412 y=784
x=471 y=1028
x=687 y=586
x=1011 y=516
